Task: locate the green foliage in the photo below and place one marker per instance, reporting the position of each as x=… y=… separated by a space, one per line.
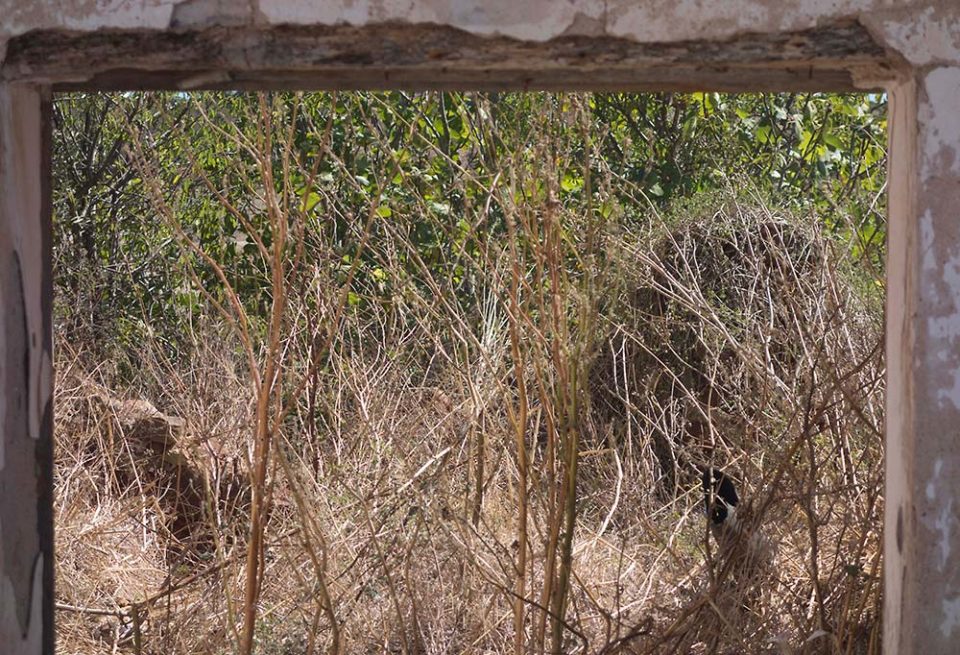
x=811 y=151
x=424 y=165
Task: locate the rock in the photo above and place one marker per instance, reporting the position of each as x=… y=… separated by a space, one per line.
x=143 y=423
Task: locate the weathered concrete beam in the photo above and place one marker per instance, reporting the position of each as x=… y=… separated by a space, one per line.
x=833 y=57
x=26 y=379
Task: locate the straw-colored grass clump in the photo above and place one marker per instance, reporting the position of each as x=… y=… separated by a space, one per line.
x=741 y=338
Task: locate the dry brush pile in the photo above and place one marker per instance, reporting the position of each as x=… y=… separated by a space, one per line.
x=487 y=446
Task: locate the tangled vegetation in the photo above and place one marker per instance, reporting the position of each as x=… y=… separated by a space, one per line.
x=434 y=373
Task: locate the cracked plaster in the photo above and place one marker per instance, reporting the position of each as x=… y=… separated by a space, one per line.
x=931 y=34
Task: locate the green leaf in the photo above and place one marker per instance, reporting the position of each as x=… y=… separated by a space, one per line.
x=571 y=183
x=833 y=140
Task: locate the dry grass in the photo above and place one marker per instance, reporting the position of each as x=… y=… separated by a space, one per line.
x=509 y=472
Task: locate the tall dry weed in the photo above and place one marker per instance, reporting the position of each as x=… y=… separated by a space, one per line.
x=486 y=447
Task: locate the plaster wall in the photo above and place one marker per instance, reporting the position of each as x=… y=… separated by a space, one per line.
x=922 y=537
x=921 y=32
x=536 y=20
x=909 y=47
x=26 y=386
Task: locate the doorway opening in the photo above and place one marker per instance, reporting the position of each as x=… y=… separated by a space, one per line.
x=458 y=360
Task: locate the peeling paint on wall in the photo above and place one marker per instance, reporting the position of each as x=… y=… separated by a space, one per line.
x=943 y=331
x=932 y=35
x=352 y=12
x=530 y=21
x=941 y=120
x=649 y=21
x=951 y=616
x=20 y=16
x=940 y=494
x=26 y=619
x=30 y=643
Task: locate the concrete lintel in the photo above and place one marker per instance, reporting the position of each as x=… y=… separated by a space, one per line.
x=834 y=57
